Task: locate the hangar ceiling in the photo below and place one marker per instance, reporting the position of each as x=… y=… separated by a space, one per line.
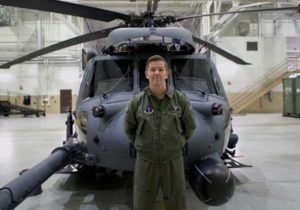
x=42 y=21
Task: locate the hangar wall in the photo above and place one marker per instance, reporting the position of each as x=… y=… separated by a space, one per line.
x=42 y=82
x=274 y=48
x=45 y=76
x=270 y=53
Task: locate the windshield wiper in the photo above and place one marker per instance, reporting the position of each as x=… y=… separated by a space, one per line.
x=188 y=82
x=104 y=95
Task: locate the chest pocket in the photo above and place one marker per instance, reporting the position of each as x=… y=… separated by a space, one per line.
x=144 y=134
x=174 y=115
x=172 y=130
x=172 y=123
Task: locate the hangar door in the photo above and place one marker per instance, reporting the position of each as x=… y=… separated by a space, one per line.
x=65 y=100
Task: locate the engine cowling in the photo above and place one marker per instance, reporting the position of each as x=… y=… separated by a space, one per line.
x=212 y=182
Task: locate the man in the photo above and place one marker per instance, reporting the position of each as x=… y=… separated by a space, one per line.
x=158 y=122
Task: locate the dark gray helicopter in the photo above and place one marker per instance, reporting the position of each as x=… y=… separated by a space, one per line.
x=113 y=78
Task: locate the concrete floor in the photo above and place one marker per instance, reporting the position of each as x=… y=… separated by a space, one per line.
x=269 y=142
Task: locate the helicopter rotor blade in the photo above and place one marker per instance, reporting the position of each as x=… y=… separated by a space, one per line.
x=220 y=51
x=67 y=43
x=67 y=9
x=235 y=12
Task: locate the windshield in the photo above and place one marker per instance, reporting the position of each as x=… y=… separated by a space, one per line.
x=113 y=76
x=192 y=74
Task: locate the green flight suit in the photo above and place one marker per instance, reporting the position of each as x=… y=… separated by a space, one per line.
x=159 y=130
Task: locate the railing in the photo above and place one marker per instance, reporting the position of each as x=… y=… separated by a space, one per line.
x=249 y=88
x=260 y=87
x=293 y=63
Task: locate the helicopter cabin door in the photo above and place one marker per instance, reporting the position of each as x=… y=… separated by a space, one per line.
x=65 y=100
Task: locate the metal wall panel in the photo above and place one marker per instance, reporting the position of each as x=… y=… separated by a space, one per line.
x=288 y=96
x=297 y=96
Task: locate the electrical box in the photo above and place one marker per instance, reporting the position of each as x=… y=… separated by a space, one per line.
x=45 y=101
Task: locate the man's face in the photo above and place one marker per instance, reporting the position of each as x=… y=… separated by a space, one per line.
x=156 y=73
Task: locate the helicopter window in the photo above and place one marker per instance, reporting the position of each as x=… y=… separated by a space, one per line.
x=113 y=76
x=192 y=74
x=143 y=79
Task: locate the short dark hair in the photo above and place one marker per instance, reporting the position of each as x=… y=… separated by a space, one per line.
x=156 y=58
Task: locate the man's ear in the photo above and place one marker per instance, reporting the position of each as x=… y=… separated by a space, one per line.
x=167 y=74
x=146 y=74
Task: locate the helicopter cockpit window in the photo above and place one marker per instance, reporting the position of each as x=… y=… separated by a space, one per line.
x=143 y=80
x=113 y=76
x=192 y=74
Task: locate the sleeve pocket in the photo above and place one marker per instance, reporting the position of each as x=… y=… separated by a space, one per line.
x=140 y=126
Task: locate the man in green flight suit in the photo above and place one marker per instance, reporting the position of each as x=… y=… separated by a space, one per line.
x=159 y=120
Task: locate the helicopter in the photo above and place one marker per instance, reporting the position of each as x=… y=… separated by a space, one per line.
x=114 y=77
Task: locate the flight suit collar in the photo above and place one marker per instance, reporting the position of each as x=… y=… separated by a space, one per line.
x=170 y=91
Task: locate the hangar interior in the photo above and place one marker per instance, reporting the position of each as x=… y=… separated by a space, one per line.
x=270 y=41
x=44 y=77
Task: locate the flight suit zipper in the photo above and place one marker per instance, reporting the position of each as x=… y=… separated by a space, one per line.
x=157 y=120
